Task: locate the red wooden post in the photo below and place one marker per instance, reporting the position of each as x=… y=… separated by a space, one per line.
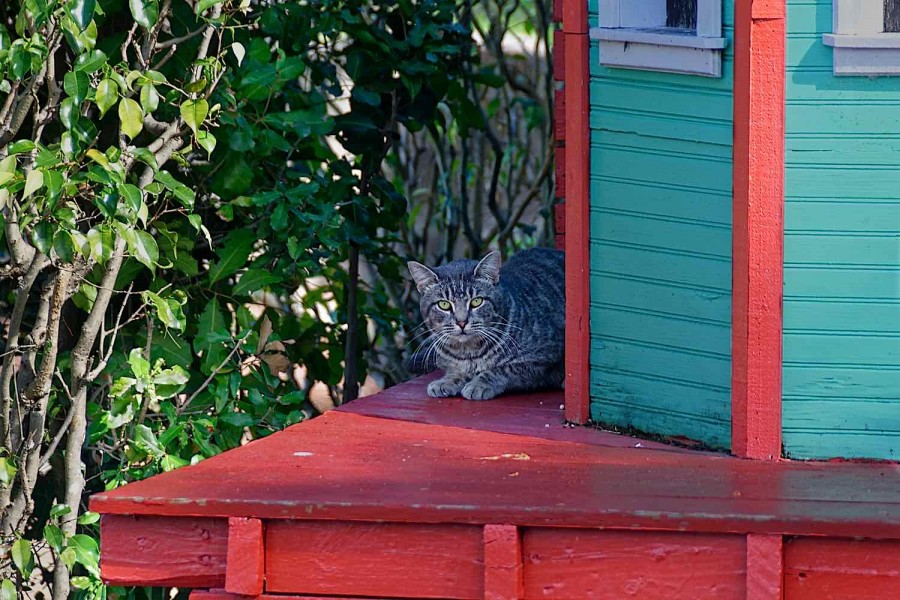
x=502 y=563
x=765 y=567
x=577 y=170
x=758 y=230
x=245 y=566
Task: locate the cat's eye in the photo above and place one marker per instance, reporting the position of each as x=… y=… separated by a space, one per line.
x=444 y=305
x=476 y=302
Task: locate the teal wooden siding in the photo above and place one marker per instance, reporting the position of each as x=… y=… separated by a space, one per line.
x=661 y=166
x=842 y=252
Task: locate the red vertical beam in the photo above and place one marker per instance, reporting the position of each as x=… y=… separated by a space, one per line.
x=502 y=563
x=758 y=228
x=245 y=566
x=578 y=168
x=765 y=567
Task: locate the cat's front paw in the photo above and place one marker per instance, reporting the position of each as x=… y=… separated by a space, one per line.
x=480 y=390
x=443 y=388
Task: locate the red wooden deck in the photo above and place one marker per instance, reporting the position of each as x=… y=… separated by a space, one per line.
x=403 y=496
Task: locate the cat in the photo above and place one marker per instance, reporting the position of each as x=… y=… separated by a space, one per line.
x=493 y=330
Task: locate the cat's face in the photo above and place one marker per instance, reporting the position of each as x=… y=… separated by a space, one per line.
x=460 y=300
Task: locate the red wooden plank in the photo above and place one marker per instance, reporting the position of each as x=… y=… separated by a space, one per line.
x=559 y=116
x=559 y=54
x=246 y=556
x=560 y=164
x=577 y=168
x=502 y=563
x=758 y=231
x=163 y=551
x=574 y=16
x=557 y=11
x=351 y=467
x=537 y=415
x=560 y=242
x=607 y=565
x=559 y=214
x=223 y=595
x=836 y=569
x=359 y=559
x=765 y=567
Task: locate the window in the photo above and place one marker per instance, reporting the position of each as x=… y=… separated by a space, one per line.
x=866 y=37
x=678 y=36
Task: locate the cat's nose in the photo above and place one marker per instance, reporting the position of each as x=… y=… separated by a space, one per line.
x=462 y=325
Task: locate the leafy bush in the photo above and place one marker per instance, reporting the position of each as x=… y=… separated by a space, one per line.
x=204 y=208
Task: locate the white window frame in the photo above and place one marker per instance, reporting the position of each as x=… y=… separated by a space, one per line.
x=633 y=35
x=861 y=46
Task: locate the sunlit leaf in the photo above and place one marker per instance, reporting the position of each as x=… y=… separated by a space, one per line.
x=149 y=98
x=22 y=557
x=81 y=11
x=33 y=182
x=182 y=192
x=131 y=117
x=107 y=95
x=90 y=61
x=76 y=84
x=8 y=590
x=145 y=12
x=207 y=141
x=194 y=113
x=205 y=4
x=54 y=537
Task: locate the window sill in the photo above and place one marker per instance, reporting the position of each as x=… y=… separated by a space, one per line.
x=680 y=38
x=668 y=50
x=865 y=55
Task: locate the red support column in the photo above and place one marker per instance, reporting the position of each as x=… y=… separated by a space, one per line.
x=758 y=228
x=502 y=563
x=577 y=177
x=765 y=567
x=245 y=566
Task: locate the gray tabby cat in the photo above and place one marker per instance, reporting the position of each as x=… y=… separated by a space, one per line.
x=493 y=330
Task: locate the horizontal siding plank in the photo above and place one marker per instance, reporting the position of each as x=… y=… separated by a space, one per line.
x=658 y=329
x=837 y=444
x=661 y=295
x=836 y=383
x=838 y=217
x=883 y=317
x=689 y=238
x=661 y=263
x=846 y=349
x=842 y=181
x=672 y=364
x=663 y=126
x=713 y=208
x=882 y=416
x=852 y=150
x=845 y=284
x=881 y=250
x=846 y=118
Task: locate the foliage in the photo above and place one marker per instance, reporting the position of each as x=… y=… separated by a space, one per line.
x=204 y=208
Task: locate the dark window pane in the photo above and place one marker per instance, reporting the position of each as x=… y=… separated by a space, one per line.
x=892 y=16
x=683 y=13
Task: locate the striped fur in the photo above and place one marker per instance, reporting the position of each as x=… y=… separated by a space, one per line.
x=493 y=330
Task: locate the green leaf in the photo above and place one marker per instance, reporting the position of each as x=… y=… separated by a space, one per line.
x=168 y=311
x=131 y=117
x=147 y=440
x=63 y=246
x=42 y=236
x=91 y=61
x=60 y=510
x=253 y=280
x=33 y=182
x=182 y=192
x=100 y=244
x=207 y=141
x=149 y=98
x=82 y=11
x=21 y=147
x=87 y=552
x=80 y=582
x=8 y=165
x=146 y=157
x=140 y=366
x=194 y=113
x=132 y=196
x=8 y=590
x=22 y=557
x=145 y=12
x=169 y=382
x=88 y=518
x=7 y=471
x=77 y=85
x=107 y=95
x=54 y=537
x=232 y=255
x=144 y=248
x=204 y=4
x=99 y=158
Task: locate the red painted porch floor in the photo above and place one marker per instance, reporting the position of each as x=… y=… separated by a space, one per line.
x=404 y=460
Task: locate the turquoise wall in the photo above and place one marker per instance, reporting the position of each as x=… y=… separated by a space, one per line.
x=661 y=155
x=842 y=252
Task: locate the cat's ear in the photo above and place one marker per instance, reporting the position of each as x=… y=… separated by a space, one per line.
x=488 y=268
x=422 y=275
